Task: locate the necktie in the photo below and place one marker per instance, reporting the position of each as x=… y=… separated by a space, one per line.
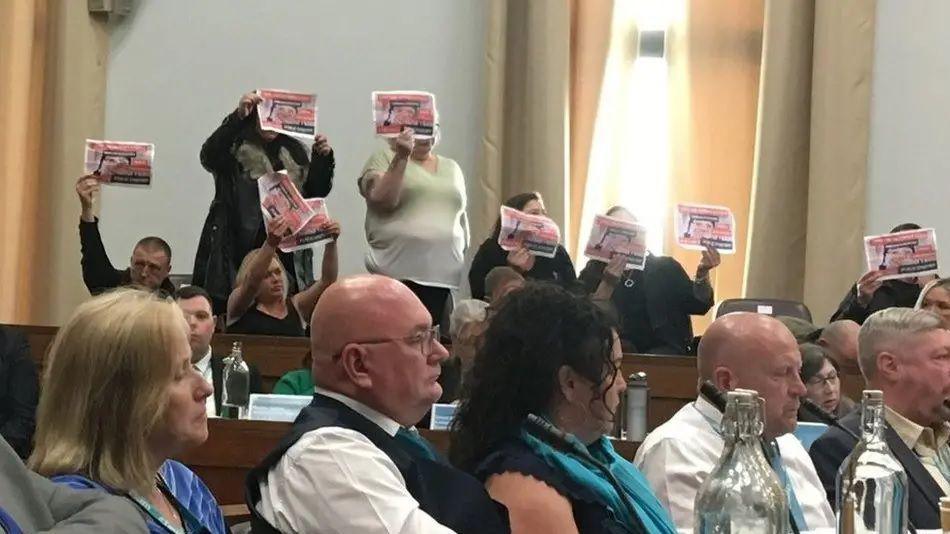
x=775 y=459
x=416 y=445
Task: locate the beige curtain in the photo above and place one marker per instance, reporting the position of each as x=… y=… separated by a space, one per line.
x=541 y=97
x=53 y=58
x=23 y=46
x=808 y=196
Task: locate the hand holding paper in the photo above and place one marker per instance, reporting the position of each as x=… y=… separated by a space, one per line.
x=700 y=227
x=393 y=111
x=247 y=103
x=536 y=233
x=120 y=162
x=521 y=260
x=610 y=237
x=277 y=228
x=906 y=254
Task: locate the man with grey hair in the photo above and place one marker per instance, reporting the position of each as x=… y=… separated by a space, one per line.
x=906 y=354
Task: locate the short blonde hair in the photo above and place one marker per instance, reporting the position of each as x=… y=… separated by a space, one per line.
x=245 y=270
x=105 y=389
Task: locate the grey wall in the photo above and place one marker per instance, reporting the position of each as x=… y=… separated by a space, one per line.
x=177 y=67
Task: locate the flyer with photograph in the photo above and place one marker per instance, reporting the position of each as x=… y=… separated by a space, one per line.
x=312 y=233
x=699 y=226
x=395 y=110
x=120 y=162
x=904 y=254
x=288 y=113
x=536 y=233
x=610 y=237
x=280 y=197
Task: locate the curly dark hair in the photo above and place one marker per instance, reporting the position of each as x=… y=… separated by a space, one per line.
x=537 y=329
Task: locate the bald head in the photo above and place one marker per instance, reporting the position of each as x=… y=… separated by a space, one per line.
x=372 y=340
x=840 y=340
x=753 y=351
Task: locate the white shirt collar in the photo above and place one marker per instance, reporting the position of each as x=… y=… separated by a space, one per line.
x=709 y=411
x=204 y=363
x=388 y=425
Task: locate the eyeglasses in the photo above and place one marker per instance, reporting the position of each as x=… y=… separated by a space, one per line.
x=819 y=380
x=425 y=339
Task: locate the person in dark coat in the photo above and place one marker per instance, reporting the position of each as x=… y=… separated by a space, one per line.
x=19 y=391
x=870 y=294
x=237 y=154
x=149 y=265
x=653 y=306
x=559 y=269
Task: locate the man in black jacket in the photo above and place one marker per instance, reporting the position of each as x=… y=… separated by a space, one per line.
x=19 y=391
x=237 y=154
x=151 y=258
x=906 y=354
x=196 y=304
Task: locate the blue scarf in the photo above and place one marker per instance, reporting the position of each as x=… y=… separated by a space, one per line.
x=651 y=513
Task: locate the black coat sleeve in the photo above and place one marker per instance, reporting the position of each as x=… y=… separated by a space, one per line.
x=683 y=289
x=320 y=176
x=97 y=271
x=18 y=416
x=591 y=275
x=216 y=151
x=850 y=308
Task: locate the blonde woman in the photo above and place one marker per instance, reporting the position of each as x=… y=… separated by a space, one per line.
x=120 y=398
x=935 y=297
x=259 y=303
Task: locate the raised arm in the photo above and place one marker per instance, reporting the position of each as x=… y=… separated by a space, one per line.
x=215 y=152
x=306 y=300
x=97 y=271
x=382 y=189
x=319 y=180
x=242 y=296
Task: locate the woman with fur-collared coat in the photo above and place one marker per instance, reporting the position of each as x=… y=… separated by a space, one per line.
x=237 y=154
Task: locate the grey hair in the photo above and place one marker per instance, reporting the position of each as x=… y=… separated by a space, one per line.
x=888 y=327
x=466 y=312
x=933 y=284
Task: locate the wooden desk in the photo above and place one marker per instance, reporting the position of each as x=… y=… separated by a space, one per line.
x=234 y=447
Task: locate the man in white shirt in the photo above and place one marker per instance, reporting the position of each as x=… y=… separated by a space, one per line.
x=906 y=354
x=739 y=350
x=196 y=305
x=349 y=464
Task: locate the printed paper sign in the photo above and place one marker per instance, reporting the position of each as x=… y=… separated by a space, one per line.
x=395 y=110
x=536 y=233
x=313 y=232
x=699 y=226
x=288 y=113
x=120 y=162
x=902 y=254
x=280 y=197
x=441 y=416
x=610 y=237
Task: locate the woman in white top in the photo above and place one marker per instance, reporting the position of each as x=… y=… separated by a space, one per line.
x=416 y=224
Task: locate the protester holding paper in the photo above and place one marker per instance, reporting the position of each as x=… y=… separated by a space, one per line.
x=261 y=303
x=871 y=293
x=559 y=268
x=653 y=305
x=416 y=224
x=237 y=154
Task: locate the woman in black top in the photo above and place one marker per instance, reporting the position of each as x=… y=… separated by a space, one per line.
x=259 y=303
x=559 y=269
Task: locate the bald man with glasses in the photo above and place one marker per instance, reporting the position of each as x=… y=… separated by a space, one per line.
x=352 y=462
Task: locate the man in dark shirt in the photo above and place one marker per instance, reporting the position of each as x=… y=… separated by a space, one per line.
x=151 y=258
x=870 y=294
x=19 y=391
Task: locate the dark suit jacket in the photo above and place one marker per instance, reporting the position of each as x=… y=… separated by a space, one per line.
x=217 y=377
x=892 y=293
x=19 y=391
x=831 y=449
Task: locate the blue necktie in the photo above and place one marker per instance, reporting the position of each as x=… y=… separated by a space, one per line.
x=793 y=505
x=416 y=445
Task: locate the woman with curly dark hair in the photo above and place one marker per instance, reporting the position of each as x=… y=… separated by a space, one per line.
x=554 y=355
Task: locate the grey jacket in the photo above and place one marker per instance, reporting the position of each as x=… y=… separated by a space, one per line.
x=38 y=505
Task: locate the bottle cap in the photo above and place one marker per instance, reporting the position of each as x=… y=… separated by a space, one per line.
x=872 y=395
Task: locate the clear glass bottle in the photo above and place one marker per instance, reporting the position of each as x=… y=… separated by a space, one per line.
x=871 y=484
x=236 y=382
x=742 y=495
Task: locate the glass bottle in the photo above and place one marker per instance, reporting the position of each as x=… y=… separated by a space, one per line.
x=236 y=382
x=742 y=495
x=871 y=484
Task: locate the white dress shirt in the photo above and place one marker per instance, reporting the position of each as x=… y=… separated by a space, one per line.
x=678 y=455
x=334 y=480
x=203 y=366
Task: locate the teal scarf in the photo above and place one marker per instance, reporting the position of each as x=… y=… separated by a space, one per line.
x=651 y=513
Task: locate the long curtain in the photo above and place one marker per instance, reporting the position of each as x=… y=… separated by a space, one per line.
x=808 y=199
x=541 y=97
x=22 y=69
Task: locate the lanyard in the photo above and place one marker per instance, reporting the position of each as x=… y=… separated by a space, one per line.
x=7 y=524
x=188 y=520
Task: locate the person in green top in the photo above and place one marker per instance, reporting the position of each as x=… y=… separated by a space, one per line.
x=297 y=382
